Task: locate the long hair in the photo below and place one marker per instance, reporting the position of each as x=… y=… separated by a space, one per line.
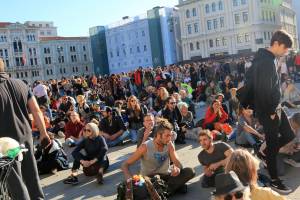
x=212 y=109
x=245 y=166
x=137 y=107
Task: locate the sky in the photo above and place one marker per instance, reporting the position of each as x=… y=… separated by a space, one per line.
x=75 y=17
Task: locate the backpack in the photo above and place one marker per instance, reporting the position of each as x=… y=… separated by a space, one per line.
x=245 y=94
x=154 y=189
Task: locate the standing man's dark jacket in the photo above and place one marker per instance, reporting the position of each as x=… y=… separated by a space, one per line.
x=266 y=83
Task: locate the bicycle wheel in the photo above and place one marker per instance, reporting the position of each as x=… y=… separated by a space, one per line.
x=6 y=165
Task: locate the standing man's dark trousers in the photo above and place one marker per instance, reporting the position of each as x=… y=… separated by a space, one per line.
x=23 y=181
x=278 y=132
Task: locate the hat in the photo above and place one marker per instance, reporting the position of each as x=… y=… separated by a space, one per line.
x=220 y=94
x=227 y=183
x=106 y=109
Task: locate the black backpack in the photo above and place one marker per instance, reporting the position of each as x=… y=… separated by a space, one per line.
x=245 y=94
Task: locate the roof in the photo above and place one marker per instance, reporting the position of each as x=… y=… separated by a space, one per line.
x=62 y=38
x=4 y=24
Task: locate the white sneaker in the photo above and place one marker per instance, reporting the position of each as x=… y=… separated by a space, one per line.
x=61 y=134
x=291 y=162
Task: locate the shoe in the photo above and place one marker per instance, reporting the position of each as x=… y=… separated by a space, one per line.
x=61 y=134
x=278 y=186
x=100 y=178
x=291 y=162
x=72 y=180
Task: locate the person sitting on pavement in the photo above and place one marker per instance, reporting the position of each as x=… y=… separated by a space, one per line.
x=213 y=157
x=229 y=186
x=156 y=155
x=91 y=153
x=211 y=91
x=172 y=114
x=145 y=133
x=245 y=166
x=291 y=96
x=215 y=116
x=83 y=108
x=247 y=133
x=112 y=127
x=135 y=113
x=73 y=129
x=65 y=105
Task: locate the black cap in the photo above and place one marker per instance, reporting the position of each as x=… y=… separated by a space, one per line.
x=227 y=183
x=106 y=109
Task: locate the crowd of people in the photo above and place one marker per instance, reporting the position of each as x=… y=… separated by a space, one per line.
x=155 y=109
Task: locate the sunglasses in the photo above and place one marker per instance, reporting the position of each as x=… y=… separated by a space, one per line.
x=87 y=130
x=237 y=195
x=172 y=103
x=132 y=100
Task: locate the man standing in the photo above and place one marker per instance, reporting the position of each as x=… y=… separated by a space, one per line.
x=266 y=90
x=213 y=157
x=15 y=100
x=156 y=155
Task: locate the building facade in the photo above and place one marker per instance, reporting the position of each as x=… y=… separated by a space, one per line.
x=145 y=40
x=296 y=8
x=46 y=29
x=224 y=27
x=30 y=57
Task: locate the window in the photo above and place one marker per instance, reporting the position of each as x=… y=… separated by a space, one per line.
x=215 y=24
x=42 y=33
x=207 y=8
x=224 y=41
x=143 y=33
x=31 y=61
x=239 y=39
x=47 y=72
x=111 y=54
x=48 y=32
x=187 y=13
x=145 y=48
x=198 y=45
x=189 y=29
x=84 y=57
x=194 y=12
x=247 y=37
x=235 y=3
x=138 y=49
x=124 y=52
x=263 y=15
x=265 y=35
x=220 y=5
x=83 y=47
x=35 y=61
x=222 y=22
x=237 y=18
x=191 y=46
x=243 y=2
x=86 y=68
x=208 y=24
x=274 y=18
x=218 y=42
x=118 y=53
x=196 y=28
x=211 y=43
x=213 y=7
x=130 y=50
x=245 y=17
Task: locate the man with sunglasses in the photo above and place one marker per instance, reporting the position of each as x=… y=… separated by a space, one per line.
x=156 y=155
x=173 y=115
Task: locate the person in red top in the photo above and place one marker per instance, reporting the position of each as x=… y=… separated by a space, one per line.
x=73 y=129
x=215 y=116
x=138 y=75
x=297 y=61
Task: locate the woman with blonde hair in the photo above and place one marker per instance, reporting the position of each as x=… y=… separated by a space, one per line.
x=135 y=113
x=160 y=101
x=245 y=166
x=83 y=108
x=95 y=160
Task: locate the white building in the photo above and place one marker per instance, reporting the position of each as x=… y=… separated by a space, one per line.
x=128 y=44
x=296 y=7
x=221 y=27
x=30 y=57
x=144 y=40
x=65 y=57
x=46 y=29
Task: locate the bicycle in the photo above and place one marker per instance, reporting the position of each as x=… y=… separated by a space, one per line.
x=6 y=165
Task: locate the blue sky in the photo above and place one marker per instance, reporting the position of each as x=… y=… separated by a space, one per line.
x=74 y=17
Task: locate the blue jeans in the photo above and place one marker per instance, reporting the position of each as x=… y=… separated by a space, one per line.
x=133 y=135
x=118 y=140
